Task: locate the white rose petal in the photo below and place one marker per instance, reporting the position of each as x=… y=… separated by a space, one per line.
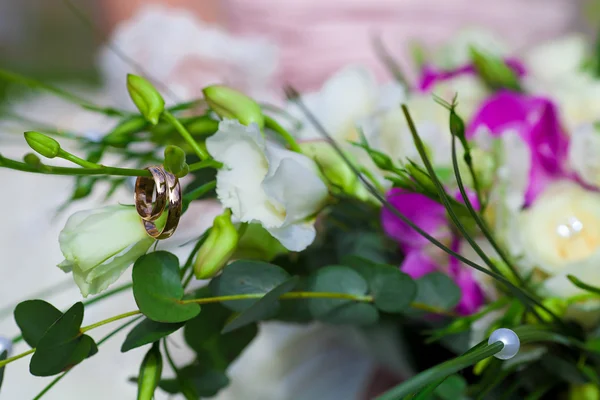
x=265 y=183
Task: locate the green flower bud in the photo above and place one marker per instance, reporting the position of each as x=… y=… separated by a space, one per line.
x=332 y=166
x=32 y=160
x=150 y=372
x=42 y=144
x=421 y=177
x=175 y=161
x=258 y=244
x=229 y=103
x=494 y=71
x=218 y=247
x=202 y=126
x=121 y=134
x=146 y=98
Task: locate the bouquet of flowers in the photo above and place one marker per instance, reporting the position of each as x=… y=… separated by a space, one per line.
x=461 y=210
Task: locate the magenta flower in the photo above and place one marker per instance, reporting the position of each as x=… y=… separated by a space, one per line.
x=420 y=256
x=536 y=122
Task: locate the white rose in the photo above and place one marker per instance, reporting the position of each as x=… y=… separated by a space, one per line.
x=561 y=236
x=99 y=245
x=265 y=183
x=584 y=148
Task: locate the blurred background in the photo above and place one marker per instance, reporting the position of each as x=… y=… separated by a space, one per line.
x=255 y=45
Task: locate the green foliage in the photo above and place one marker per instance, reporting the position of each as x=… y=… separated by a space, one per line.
x=247 y=277
x=340 y=279
x=148 y=331
x=158 y=290
x=196 y=382
x=264 y=308
x=150 y=372
x=437 y=290
x=34 y=318
x=392 y=290
x=62 y=345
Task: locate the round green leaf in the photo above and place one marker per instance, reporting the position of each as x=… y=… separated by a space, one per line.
x=148 y=331
x=335 y=279
x=63 y=345
x=245 y=277
x=264 y=308
x=353 y=313
x=157 y=288
x=437 y=290
x=34 y=317
x=201 y=381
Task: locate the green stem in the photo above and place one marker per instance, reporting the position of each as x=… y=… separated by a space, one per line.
x=440 y=371
x=50 y=170
x=199 y=191
x=15 y=358
x=200 y=152
x=210 y=163
x=280 y=130
x=286 y=296
x=34 y=84
x=109 y=320
x=76 y=160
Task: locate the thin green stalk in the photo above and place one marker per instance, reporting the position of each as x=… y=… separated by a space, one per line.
x=480 y=221
x=77 y=160
x=187 y=392
x=35 y=84
x=104 y=339
x=517 y=291
x=188 y=263
x=50 y=170
x=286 y=296
x=200 y=152
x=15 y=358
x=205 y=164
x=277 y=128
x=293 y=95
x=440 y=371
x=109 y=320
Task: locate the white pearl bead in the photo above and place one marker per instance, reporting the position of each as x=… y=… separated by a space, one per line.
x=5 y=345
x=511 y=343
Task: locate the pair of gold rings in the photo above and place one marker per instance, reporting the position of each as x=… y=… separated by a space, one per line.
x=168 y=195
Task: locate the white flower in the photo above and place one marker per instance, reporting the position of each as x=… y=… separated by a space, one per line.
x=265 y=183
x=345 y=101
x=560 y=233
x=584 y=148
x=99 y=245
x=457 y=52
x=554 y=60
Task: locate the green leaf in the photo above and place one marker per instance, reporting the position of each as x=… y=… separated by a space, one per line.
x=157 y=288
x=148 y=331
x=63 y=345
x=203 y=335
x=452 y=388
x=392 y=290
x=34 y=317
x=264 y=308
x=582 y=285
x=340 y=279
x=204 y=382
x=437 y=290
x=246 y=277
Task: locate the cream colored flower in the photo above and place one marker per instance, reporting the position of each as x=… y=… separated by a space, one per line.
x=584 y=148
x=265 y=183
x=561 y=236
x=100 y=244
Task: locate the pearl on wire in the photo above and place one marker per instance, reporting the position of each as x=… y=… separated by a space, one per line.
x=5 y=346
x=510 y=340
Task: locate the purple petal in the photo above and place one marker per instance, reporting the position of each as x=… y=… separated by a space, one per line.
x=427 y=214
x=417 y=263
x=535 y=120
x=471 y=298
x=471 y=196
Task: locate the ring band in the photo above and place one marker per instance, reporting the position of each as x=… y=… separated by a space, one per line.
x=174 y=204
x=144 y=190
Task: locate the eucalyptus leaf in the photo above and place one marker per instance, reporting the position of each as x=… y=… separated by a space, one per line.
x=437 y=290
x=34 y=317
x=63 y=345
x=247 y=277
x=340 y=279
x=203 y=382
x=148 y=331
x=157 y=288
x=264 y=308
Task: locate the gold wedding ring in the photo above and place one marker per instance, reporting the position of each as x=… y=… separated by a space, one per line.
x=168 y=193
